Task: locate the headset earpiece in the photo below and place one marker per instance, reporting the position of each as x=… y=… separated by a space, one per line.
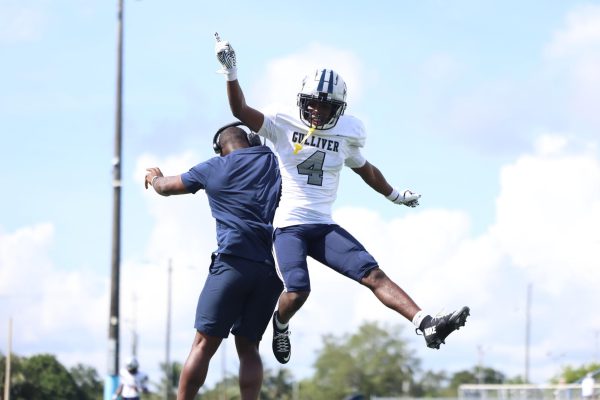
x=253 y=138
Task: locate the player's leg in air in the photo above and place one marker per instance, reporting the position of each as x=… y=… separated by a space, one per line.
x=334 y=247
x=289 y=303
x=345 y=254
x=290 y=246
x=434 y=329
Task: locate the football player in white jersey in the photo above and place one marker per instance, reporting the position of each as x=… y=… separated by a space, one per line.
x=312 y=148
x=133 y=381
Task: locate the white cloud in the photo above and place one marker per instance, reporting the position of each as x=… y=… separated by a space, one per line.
x=581 y=32
x=441 y=67
x=548 y=215
x=52 y=308
x=550 y=144
x=20 y=23
x=547 y=220
x=559 y=86
x=281 y=82
x=573 y=58
x=16 y=253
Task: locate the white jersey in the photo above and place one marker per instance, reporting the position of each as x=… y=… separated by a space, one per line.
x=133 y=384
x=310 y=178
x=587 y=386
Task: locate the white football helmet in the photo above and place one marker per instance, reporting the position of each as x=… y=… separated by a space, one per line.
x=132 y=364
x=326 y=86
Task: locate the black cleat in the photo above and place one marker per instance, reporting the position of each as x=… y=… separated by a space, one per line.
x=281 y=342
x=437 y=329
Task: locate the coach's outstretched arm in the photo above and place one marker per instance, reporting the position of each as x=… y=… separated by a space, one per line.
x=237 y=102
x=164 y=185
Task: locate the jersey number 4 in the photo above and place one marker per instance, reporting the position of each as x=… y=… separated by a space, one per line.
x=313 y=167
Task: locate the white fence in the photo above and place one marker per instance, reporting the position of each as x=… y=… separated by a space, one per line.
x=570 y=391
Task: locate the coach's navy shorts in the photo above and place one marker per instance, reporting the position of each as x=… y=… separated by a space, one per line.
x=239 y=295
x=330 y=244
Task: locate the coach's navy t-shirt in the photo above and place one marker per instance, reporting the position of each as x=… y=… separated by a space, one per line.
x=243 y=193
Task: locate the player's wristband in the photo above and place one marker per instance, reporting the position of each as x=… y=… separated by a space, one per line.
x=230 y=74
x=393 y=196
x=154 y=178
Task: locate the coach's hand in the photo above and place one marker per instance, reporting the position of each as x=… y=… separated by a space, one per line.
x=152 y=175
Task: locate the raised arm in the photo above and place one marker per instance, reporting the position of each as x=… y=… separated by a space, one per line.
x=374 y=178
x=164 y=185
x=248 y=115
x=237 y=102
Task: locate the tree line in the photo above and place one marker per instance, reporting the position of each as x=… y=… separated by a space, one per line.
x=374 y=361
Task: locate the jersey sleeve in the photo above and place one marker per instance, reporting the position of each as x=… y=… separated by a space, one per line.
x=196 y=178
x=356 y=137
x=268 y=129
x=354 y=131
x=354 y=158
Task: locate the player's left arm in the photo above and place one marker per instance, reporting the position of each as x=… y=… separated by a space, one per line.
x=164 y=185
x=144 y=383
x=375 y=179
x=118 y=392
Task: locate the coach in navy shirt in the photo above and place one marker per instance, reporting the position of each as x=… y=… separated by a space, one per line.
x=242 y=287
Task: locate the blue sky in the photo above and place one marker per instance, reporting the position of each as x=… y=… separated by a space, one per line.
x=489 y=109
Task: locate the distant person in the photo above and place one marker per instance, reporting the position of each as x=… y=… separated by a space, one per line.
x=312 y=148
x=133 y=382
x=587 y=386
x=242 y=287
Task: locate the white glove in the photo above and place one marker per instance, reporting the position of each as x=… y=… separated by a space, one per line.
x=408 y=198
x=226 y=57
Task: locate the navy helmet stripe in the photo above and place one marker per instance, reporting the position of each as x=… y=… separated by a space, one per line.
x=321 y=81
x=321 y=86
x=330 y=88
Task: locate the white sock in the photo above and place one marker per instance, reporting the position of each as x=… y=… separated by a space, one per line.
x=418 y=318
x=280 y=326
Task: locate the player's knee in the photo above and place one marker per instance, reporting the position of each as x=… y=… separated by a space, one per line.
x=246 y=347
x=296 y=299
x=205 y=344
x=374 y=278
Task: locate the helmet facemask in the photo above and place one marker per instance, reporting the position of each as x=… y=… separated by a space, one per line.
x=322 y=86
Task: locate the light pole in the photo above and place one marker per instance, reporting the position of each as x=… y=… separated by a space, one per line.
x=480 y=376
x=7 y=371
x=112 y=377
x=597 y=353
x=133 y=329
x=168 y=369
x=527 y=331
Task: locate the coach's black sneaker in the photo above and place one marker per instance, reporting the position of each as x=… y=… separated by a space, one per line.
x=281 y=342
x=435 y=330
